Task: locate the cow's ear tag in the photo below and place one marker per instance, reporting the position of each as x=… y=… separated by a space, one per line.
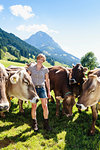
x=14 y=78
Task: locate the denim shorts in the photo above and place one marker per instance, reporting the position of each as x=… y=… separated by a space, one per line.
x=41 y=92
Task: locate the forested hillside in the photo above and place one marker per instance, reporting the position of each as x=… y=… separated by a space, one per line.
x=17 y=47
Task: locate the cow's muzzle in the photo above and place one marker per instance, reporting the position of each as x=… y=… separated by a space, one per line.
x=35 y=99
x=4 y=108
x=72 y=81
x=81 y=106
x=69 y=115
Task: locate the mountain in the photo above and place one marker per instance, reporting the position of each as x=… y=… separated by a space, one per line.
x=17 y=47
x=47 y=45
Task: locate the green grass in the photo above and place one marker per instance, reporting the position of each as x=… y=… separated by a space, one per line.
x=8 y=55
x=8 y=63
x=67 y=133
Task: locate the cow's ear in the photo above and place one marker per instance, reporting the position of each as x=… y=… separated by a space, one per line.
x=73 y=65
x=14 y=78
x=59 y=98
x=85 y=69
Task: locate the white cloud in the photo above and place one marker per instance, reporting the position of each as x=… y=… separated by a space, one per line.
x=22 y=11
x=1 y=8
x=35 y=28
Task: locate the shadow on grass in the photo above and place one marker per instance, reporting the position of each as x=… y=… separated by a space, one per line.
x=75 y=129
x=5 y=142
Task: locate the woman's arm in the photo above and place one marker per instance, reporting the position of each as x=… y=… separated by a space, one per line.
x=48 y=84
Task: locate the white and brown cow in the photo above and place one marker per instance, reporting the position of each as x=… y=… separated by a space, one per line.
x=4 y=103
x=20 y=85
x=90 y=97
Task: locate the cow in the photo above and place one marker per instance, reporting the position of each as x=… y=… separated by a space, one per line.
x=59 y=83
x=4 y=103
x=90 y=97
x=12 y=70
x=19 y=84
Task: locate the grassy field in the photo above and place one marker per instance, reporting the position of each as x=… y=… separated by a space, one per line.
x=8 y=63
x=67 y=133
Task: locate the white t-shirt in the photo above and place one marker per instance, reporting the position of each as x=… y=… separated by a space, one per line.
x=38 y=77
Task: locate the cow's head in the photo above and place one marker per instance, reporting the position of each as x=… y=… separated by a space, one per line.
x=76 y=79
x=90 y=92
x=4 y=104
x=78 y=73
x=68 y=102
x=20 y=85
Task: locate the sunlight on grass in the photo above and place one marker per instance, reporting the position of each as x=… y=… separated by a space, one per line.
x=16 y=131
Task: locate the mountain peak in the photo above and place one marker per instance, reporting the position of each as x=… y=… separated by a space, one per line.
x=48 y=46
x=41 y=34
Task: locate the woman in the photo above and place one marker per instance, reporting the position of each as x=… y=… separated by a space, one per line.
x=39 y=74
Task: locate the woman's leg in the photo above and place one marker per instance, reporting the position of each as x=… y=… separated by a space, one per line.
x=45 y=107
x=33 y=110
x=33 y=114
x=45 y=114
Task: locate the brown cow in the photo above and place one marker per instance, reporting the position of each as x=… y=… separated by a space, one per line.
x=90 y=97
x=4 y=104
x=76 y=80
x=59 y=82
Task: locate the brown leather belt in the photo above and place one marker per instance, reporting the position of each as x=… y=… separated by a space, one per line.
x=38 y=86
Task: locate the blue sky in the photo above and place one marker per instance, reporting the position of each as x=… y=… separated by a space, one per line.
x=73 y=24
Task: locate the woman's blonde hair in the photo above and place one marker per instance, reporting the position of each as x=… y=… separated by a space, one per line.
x=41 y=56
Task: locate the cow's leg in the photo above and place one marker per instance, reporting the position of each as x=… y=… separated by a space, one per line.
x=57 y=107
x=94 y=118
x=52 y=99
x=2 y=115
x=20 y=102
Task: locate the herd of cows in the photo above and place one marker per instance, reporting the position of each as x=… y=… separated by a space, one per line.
x=67 y=84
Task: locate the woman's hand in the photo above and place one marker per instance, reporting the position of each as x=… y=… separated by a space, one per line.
x=49 y=94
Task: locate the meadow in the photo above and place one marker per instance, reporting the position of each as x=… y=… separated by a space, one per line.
x=71 y=133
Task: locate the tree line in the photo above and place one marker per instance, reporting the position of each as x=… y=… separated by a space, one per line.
x=17 y=47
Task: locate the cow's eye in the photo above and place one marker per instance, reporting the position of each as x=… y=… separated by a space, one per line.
x=26 y=81
x=92 y=91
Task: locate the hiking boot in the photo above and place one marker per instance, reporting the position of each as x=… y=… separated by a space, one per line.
x=35 y=125
x=46 y=125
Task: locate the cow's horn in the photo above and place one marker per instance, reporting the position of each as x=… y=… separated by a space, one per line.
x=59 y=98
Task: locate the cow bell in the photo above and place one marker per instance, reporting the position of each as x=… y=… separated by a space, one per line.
x=98 y=105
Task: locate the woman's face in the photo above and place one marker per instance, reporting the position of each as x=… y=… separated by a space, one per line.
x=40 y=61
